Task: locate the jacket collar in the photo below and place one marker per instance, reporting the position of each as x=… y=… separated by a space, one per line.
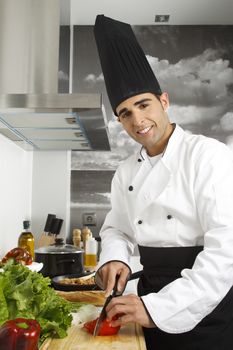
x=168 y=158
x=162 y=171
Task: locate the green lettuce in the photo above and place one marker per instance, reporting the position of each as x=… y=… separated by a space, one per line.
x=24 y=293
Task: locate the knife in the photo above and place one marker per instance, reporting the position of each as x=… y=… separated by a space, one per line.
x=55 y=227
x=46 y=238
x=48 y=223
x=115 y=293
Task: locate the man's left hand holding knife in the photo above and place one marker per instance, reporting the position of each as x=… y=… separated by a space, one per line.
x=130 y=307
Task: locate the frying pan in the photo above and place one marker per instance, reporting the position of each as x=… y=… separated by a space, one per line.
x=76 y=287
x=73 y=287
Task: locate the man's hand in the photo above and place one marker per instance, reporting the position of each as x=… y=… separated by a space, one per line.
x=131 y=309
x=108 y=275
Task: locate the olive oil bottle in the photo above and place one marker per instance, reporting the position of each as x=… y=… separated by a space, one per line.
x=26 y=239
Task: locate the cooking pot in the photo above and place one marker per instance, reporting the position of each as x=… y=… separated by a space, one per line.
x=60 y=259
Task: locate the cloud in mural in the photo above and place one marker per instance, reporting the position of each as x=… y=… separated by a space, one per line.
x=63 y=76
x=192 y=114
x=121 y=145
x=92 y=79
x=198 y=86
x=105 y=194
x=226 y=121
x=199 y=93
x=200 y=80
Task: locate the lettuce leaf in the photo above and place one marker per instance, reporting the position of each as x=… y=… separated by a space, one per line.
x=24 y=293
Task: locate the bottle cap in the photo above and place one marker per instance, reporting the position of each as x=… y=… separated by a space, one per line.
x=26 y=224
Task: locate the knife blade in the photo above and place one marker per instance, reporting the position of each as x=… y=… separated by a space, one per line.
x=115 y=293
x=103 y=313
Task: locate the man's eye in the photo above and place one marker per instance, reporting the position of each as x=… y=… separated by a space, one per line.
x=126 y=115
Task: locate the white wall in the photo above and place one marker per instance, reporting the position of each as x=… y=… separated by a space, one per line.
x=32 y=184
x=15 y=192
x=50 y=189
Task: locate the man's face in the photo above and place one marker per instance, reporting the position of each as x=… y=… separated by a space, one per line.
x=145 y=119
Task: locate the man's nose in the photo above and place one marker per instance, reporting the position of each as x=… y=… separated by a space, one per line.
x=137 y=117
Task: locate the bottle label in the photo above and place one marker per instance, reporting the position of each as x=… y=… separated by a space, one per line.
x=91 y=246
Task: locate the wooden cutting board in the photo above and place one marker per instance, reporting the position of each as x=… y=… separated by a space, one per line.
x=130 y=337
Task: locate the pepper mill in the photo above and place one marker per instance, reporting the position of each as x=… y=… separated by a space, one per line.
x=77 y=237
x=86 y=233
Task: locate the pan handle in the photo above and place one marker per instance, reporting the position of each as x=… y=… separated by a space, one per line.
x=135 y=275
x=131 y=277
x=66 y=261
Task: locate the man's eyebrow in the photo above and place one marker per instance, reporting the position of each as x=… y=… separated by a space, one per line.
x=141 y=101
x=123 y=110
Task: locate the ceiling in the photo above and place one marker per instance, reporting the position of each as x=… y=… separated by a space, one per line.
x=182 y=12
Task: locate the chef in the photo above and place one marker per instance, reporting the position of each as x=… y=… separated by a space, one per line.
x=174 y=200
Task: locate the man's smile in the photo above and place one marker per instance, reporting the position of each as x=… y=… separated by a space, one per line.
x=145 y=130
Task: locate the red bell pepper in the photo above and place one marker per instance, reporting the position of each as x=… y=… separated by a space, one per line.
x=105 y=329
x=19 y=334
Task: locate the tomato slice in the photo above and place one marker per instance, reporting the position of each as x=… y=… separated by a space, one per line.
x=105 y=329
x=90 y=326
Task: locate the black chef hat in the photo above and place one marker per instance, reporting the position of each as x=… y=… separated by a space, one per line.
x=125 y=67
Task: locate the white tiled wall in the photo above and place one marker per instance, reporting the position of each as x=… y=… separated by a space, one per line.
x=32 y=184
x=15 y=192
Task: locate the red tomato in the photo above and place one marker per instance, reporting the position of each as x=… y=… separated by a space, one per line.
x=90 y=326
x=20 y=255
x=105 y=329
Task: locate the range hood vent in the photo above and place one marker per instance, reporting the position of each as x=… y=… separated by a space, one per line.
x=54 y=121
x=32 y=112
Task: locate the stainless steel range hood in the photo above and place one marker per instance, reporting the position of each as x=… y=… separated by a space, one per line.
x=54 y=121
x=32 y=112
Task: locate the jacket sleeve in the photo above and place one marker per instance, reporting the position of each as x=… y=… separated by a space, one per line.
x=182 y=304
x=116 y=233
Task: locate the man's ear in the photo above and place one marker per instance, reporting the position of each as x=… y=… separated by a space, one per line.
x=164 y=100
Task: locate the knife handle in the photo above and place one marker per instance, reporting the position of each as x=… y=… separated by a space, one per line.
x=115 y=293
x=48 y=223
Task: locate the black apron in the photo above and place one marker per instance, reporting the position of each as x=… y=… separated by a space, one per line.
x=162 y=266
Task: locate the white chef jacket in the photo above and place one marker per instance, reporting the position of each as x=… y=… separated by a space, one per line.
x=185 y=199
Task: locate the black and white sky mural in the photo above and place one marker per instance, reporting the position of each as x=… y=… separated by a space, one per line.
x=194 y=64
